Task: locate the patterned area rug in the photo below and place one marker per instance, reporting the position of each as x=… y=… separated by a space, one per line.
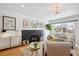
x=28 y=52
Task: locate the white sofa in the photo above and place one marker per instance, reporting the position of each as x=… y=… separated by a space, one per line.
x=68 y=37
x=4 y=43
x=9 y=41
x=15 y=41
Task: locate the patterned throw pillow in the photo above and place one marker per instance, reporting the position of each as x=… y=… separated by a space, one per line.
x=50 y=37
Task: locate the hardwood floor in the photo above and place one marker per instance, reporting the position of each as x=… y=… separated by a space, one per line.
x=12 y=51
x=17 y=52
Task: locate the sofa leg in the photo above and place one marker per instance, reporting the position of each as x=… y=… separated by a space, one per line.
x=45 y=54
x=71 y=54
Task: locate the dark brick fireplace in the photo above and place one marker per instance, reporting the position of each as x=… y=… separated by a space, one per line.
x=32 y=35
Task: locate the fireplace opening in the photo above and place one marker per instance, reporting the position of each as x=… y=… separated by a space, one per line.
x=34 y=38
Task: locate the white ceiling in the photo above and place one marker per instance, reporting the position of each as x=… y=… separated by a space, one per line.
x=40 y=10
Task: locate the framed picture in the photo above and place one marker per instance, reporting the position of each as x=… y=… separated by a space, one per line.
x=34 y=24
x=9 y=23
x=26 y=23
x=41 y=25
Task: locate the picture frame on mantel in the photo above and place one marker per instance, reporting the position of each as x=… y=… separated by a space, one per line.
x=9 y=23
x=26 y=23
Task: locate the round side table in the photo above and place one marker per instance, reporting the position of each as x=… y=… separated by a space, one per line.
x=34 y=49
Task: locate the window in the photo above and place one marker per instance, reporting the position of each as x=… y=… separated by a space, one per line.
x=64 y=27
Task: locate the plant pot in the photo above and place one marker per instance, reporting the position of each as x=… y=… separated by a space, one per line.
x=35 y=44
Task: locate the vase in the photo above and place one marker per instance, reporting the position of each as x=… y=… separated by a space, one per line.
x=35 y=44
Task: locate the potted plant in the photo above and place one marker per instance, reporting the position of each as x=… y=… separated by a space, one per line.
x=49 y=26
x=35 y=44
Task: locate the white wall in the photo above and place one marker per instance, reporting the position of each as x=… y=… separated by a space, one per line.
x=19 y=17
x=19 y=20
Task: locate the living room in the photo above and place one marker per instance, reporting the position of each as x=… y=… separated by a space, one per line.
x=39 y=29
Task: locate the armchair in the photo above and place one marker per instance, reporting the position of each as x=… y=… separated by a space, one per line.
x=58 y=48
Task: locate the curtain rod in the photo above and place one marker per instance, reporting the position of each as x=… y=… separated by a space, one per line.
x=64 y=21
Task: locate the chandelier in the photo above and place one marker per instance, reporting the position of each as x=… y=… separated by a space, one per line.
x=56 y=9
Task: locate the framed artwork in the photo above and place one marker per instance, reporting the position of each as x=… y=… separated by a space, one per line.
x=41 y=25
x=26 y=23
x=9 y=23
x=34 y=24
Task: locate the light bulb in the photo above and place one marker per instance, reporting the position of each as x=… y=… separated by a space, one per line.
x=22 y=6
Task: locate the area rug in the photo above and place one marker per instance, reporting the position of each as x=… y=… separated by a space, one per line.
x=26 y=51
